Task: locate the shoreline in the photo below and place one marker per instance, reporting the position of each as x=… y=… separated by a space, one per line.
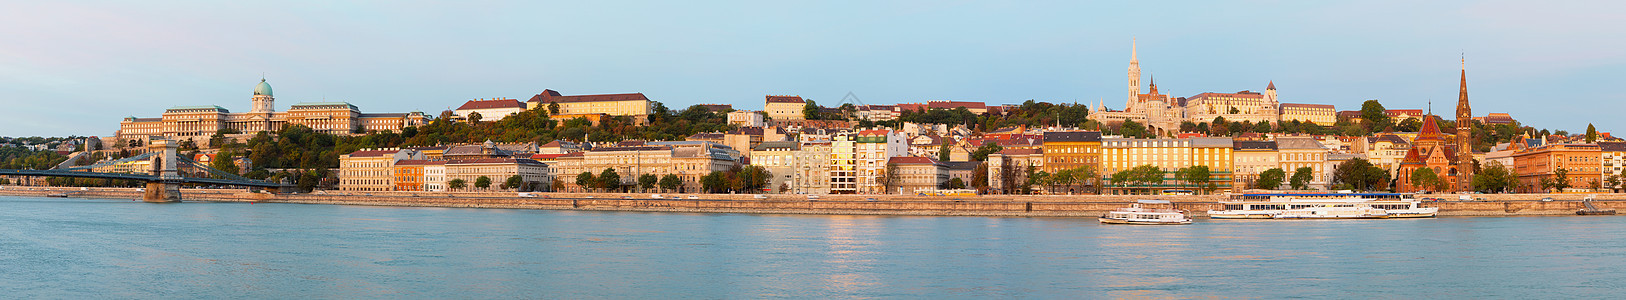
x=990 y=205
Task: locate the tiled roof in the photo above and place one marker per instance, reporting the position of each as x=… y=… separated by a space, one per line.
x=1326 y=106
x=1612 y=146
x=1298 y=143
x=785 y=99
x=548 y=96
x=1253 y=145
x=911 y=160
x=962 y=165
x=764 y=146
x=1009 y=152
x=547 y=156
x=419 y=162
x=491 y=161
x=487 y=104
x=373 y=153
x=1430 y=130
x=1072 y=136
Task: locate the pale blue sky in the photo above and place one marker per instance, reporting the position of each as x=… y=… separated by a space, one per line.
x=76 y=68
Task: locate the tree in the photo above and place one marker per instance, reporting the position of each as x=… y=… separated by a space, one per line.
x=1374 y=116
x=1360 y=174
x=887 y=178
x=1132 y=129
x=1591 y=134
x=1427 y=179
x=1270 y=179
x=979 y=178
x=558 y=185
x=553 y=107
x=457 y=184
x=1087 y=175
x=1301 y=178
x=223 y=161
x=1146 y=175
x=954 y=183
x=671 y=182
x=1495 y=178
x=982 y=152
x=474 y=117
x=810 y=111
x=647 y=181
x=608 y=179
x=713 y=182
x=1196 y=176
x=514 y=182
x=482 y=182
x=1558 y=182
x=943 y=151
x=586 y=181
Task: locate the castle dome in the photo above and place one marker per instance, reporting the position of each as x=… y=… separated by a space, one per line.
x=263 y=88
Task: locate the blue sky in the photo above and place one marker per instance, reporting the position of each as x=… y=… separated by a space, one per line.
x=76 y=68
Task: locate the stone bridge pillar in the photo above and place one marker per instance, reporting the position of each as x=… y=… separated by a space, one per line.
x=167 y=188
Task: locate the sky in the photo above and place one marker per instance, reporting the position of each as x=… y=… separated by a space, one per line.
x=79 y=67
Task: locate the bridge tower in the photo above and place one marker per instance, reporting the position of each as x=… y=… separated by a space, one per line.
x=167 y=188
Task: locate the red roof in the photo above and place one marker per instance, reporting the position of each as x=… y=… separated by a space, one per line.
x=373 y=153
x=956 y=104
x=553 y=96
x=491 y=161
x=1430 y=131
x=785 y=99
x=485 y=104
x=419 y=162
x=874 y=132
x=911 y=160
x=547 y=156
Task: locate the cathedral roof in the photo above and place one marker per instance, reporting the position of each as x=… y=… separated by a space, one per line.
x=1272 y=85
x=1412 y=158
x=263 y=88
x=1430 y=130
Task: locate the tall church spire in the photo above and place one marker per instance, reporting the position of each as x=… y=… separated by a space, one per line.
x=1465 y=131
x=1134 y=77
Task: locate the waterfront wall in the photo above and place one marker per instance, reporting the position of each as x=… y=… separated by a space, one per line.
x=992 y=205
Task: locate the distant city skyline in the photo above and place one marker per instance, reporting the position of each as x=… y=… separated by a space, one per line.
x=77 y=69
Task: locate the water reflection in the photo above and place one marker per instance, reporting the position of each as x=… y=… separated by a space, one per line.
x=72 y=248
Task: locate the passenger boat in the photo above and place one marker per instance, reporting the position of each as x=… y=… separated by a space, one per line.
x=1333 y=211
x=1269 y=206
x=1139 y=214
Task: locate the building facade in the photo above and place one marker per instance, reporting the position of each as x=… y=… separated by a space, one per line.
x=198 y=123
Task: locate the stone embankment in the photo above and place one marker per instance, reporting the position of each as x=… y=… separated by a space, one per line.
x=991 y=205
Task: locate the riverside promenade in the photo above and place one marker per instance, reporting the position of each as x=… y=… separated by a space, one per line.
x=988 y=205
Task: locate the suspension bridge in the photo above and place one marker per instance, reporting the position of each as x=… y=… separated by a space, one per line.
x=162 y=170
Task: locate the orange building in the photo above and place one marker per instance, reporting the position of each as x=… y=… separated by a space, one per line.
x=1582 y=162
x=409 y=175
x=1429 y=150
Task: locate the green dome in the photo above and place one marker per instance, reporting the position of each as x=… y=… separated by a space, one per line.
x=263 y=88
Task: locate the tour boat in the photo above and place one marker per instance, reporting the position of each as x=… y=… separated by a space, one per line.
x=1268 y=206
x=1333 y=211
x=1137 y=214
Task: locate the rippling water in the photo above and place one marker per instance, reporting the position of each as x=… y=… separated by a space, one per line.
x=77 y=248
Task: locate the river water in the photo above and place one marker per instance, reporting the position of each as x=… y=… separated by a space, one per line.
x=88 y=248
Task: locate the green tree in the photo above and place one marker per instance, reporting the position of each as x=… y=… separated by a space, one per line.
x=609 y=180
x=1426 y=178
x=982 y=152
x=482 y=182
x=671 y=182
x=474 y=117
x=1087 y=175
x=1132 y=129
x=810 y=110
x=1270 y=179
x=943 y=151
x=1196 y=176
x=1146 y=175
x=224 y=162
x=979 y=178
x=954 y=183
x=1360 y=174
x=1613 y=183
x=457 y=184
x=713 y=182
x=1301 y=178
x=586 y=181
x=1374 y=116
x=1558 y=182
x=514 y=182
x=647 y=181
x=1591 y=134
x=553 y=107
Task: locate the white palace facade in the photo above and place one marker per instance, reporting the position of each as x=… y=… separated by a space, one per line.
x=1162 y=114
x=198 y=123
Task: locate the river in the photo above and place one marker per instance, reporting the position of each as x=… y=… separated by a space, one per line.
x=100 y=248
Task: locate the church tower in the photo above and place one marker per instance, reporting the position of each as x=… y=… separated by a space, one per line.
x=263 y=102
x=1134 y=77
x=1270 y=93
x=1465 y=146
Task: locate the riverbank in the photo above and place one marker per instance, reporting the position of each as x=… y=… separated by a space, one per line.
x=991 y=205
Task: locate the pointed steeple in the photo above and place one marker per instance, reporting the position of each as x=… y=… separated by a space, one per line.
x=1272 y=86
x=1152 y=80
x=1430 y=130
x=1133 y=49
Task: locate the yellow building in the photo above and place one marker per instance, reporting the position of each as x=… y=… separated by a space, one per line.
x=784 y=107
x=1170 y=156
x=200 y=122
x=1320 y=114
x=634 y=105
x=1071 y=149
x=372 y=170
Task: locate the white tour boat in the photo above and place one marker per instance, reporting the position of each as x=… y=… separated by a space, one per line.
x=1139 y=214
x=1269 y=206
x=1333 y=211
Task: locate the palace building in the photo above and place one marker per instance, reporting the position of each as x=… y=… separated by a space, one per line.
x=197 y=123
